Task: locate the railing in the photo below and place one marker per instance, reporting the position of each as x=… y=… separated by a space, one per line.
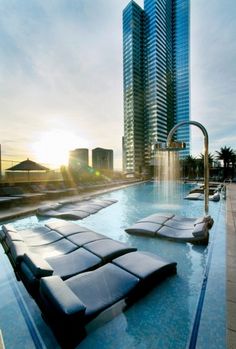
x=24 y=176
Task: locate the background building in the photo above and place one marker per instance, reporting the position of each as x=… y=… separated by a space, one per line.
x=156 y=77
x=78 y=158
x=102 y=158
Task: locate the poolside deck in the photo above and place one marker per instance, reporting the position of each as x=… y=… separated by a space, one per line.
x=231 y=266
x=31 y=208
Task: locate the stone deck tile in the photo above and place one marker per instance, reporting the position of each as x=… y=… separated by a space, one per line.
x=231 y=266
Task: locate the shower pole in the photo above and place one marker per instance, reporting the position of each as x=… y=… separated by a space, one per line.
x=206 y=162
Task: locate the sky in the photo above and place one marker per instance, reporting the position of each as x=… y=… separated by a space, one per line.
x=61 y=76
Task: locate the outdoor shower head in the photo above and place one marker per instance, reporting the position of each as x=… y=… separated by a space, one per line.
x=170 y=146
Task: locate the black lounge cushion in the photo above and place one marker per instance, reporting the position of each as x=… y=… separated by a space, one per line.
x=102 y=287
x=89 y=209
x=69 y=214
x=149 y=228
x=175 y=233
x=175 y=228
x=156 y=218
x=108 y=249
x=145 y=265
x=33 y=267
x=65 y=266
x=67 y=228
x=8 y=227
x=37 y=265
x=179 y=224
x=73 y=210
x=74 y=263
x=12 y=236
x=83 y=238
x=84 y=296
x=60 y=299
x=19 y=248
x=200 y=230
x=47 y=238
x=56 y=248
x=2 y=235
x=37 y=236
x=35 y=232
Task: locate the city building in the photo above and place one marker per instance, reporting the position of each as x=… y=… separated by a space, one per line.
x=156 y=77
x=102 y=158
x=78 y=158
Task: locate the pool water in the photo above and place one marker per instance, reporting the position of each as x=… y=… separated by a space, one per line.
x=179 y=312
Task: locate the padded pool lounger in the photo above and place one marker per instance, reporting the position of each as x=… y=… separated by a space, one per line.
x=69 y=305
x=74 y=210
x=172 y=227
x=65 y=250
x=75 y=274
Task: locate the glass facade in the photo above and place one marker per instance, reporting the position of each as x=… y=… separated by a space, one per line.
x=133 y=56
x=181 y=70
x=156 y=76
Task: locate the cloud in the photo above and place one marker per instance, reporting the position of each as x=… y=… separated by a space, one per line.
x=213 y=73
x=61 y=67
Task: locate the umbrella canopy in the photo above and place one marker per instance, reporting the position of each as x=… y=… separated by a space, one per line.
x=28 y=165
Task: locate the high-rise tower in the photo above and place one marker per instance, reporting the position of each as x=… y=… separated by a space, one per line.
x=133 y=53
x=156 y=77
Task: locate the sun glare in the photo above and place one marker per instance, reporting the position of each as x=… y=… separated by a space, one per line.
x=53 y=148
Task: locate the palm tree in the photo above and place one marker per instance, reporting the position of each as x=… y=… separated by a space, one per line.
x=189 y=166
x=228 y=155
x=201 y=162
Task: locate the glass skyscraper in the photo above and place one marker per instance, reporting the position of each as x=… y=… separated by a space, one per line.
x=156 y=77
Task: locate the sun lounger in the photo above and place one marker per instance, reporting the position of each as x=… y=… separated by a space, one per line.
x=176 y=228
x=198 y=196
x=73 y=210
x=61 y=248
x=6 y=202
x=20 y=193
x=70 y=305
x=53 y=191
x=74 y=274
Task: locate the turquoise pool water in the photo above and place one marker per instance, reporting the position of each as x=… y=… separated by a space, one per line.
x=179 y=312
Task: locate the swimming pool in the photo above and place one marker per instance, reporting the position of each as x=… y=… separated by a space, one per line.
x=179 y=312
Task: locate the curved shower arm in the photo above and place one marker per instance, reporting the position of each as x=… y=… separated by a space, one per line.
x=206 y=162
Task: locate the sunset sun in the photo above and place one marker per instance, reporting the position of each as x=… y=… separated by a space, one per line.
x=53 y=147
